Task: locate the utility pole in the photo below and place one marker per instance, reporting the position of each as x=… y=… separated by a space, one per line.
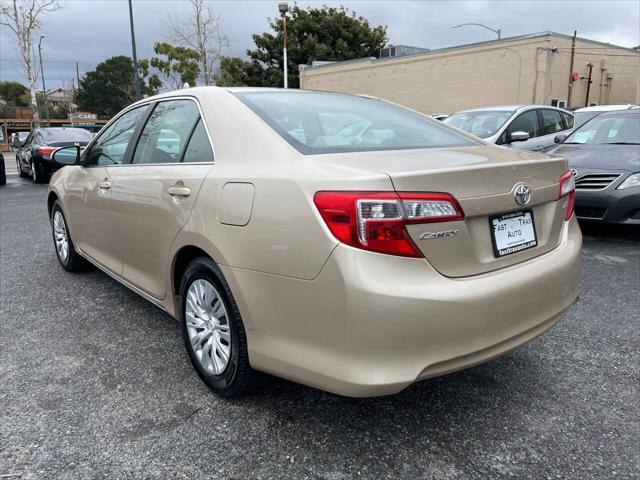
x=135 y=56
x=44 y=89
x=573 y=53
x=77 y=77
x=588 y=79
x=284 y=8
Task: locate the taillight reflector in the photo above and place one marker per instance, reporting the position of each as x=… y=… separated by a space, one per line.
x=376 y=221
x=46 y=151
x=567 y=188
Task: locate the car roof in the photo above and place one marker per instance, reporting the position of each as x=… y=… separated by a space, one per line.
x=616 y=113
x=511 y=108
x=606 y=108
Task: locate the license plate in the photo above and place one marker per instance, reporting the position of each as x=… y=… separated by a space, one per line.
x=513 y=232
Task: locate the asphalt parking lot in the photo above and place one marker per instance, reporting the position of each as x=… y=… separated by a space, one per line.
x=95 y=383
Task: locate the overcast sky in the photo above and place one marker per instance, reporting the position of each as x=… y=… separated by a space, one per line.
x=89 y=31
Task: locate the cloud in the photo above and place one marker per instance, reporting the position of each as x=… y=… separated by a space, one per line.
x=89 y=31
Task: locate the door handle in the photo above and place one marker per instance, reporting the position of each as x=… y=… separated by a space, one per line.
x=179 y=190
x=539 y=149
x=104 y=184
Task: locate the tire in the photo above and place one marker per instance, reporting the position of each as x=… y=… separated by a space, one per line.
x=21 y=173
x=236 y=377
x=36 y=173
x=71 y=261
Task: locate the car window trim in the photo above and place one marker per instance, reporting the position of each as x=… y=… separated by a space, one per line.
x=147 y=103
x=184 y=149
x=201 y=116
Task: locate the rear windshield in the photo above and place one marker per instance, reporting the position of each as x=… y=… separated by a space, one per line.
x=482 y=124
x=66 y=135
x=319 y=122
x=609 y=129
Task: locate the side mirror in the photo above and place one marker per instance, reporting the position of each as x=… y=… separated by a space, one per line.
x=518 y=136
x=559 y=138
x=66 y=156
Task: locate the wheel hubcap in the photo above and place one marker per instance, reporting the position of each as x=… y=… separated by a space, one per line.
x=208 y=326
x=60 y=236
x=33 y=171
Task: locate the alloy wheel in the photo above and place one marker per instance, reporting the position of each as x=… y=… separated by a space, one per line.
x=60 y=236
x=208 y=326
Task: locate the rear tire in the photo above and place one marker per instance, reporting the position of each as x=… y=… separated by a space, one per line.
x=213 y=331
x=65 y=250
x=36 y=173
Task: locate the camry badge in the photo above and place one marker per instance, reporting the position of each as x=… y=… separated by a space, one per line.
x=444 y=234
x=521 y=193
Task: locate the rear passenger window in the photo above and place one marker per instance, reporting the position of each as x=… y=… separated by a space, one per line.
x=551 y=122
x=166 y=132
x=568 y=120
x=199 y=148
x=527 y=122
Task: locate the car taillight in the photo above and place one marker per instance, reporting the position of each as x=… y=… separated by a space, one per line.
x=376 y=221
x=46 y=151
x=568 y=189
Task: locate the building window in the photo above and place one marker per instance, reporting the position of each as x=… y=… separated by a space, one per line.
x=558 y=103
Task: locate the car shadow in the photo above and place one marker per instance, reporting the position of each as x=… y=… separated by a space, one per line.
x=593 y=231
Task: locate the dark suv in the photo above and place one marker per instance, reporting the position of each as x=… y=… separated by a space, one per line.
x=34 y=157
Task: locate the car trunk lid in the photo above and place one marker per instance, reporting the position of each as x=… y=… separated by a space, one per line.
x=482 y=179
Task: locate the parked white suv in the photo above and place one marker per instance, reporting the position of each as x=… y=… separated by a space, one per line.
x=528 y=127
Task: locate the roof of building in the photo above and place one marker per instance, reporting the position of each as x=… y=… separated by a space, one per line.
x=547 y=33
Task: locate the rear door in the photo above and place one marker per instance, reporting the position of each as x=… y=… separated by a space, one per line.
x=153 y=195
x=552 y=124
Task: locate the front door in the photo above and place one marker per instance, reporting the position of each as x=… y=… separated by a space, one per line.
x=93 y=221
x=154 y=194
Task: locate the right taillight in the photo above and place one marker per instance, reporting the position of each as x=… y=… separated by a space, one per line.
x=376 y=221
x=568 y=189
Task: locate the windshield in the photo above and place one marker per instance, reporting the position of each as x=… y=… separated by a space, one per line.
x=320 y=122
x=66 y=135
x=608 y=129
x=482 y=124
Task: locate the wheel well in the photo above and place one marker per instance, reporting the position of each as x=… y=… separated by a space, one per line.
x=182 y=259
x=52 y=198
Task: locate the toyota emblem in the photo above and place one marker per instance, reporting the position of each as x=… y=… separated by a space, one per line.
x=522 y=193
x=575 y=172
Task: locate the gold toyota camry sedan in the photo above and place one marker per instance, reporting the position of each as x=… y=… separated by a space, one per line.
x=339 y=241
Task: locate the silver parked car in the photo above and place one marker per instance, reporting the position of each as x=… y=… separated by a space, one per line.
x=528 y=127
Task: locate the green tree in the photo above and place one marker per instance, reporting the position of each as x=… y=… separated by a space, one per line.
x=178 y=64
x=326 y=33
x=14 y=93
x=111 y=86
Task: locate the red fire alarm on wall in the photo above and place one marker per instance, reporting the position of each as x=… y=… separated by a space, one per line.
x=575 y=76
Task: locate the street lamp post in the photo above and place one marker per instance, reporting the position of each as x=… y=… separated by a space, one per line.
x=284 y=8
x=44 y=89
x=498 y=32
x=135 y=56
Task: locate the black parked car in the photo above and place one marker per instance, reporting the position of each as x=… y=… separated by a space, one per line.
x=604 y=155
x=34 y=157
x=3 y=175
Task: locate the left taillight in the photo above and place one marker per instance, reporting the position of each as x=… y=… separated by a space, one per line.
x=376 y=221
x=46 y=152
x=567 y=189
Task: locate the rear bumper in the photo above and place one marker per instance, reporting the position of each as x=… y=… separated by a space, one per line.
x=609 y=206
x=372 y=324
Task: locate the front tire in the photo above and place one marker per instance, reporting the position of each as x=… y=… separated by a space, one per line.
x=65 y=250
x=213 y=331
x=21 y=172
